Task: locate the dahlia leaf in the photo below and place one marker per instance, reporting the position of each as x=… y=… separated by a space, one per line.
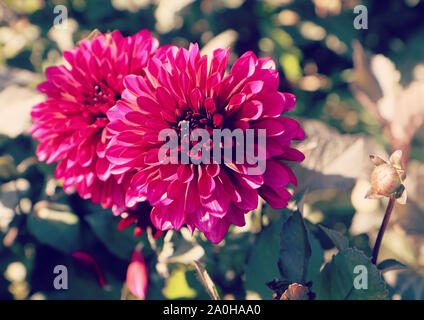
x=54 y=226
x=339 y=240
x=350 y=275
x=390 y=264
x=295 y=249
x=119 y=243
x=84 y=285
x=262 y=267
x=316 y=260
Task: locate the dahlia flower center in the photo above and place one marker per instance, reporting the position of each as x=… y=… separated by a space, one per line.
x=98 y=101
x=187 y=121
x=200 y=120
x=201 y=135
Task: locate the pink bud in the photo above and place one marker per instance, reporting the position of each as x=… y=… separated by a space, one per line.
x=385 y=179
x=295 y=291
x=138 y=275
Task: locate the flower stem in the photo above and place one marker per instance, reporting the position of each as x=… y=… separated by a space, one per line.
x=384 y=224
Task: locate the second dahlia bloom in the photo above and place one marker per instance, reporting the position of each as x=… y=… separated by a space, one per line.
x=70 y=123
x=185 y=89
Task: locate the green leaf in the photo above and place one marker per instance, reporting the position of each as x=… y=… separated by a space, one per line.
x=336 y=281
x=295 y=249
x=291 y=66
x=339 y=240
x=390 y=264
x=83 y=285
x=262 y=264
x=56 y=227
x=119 y=243
x=316 y=260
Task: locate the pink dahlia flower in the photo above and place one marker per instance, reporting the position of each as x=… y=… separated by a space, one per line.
x=184 y=87
x=70 y=123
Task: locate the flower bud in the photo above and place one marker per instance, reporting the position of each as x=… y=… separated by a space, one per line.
x=296 y=291
x=387 y=178
x=138 y=275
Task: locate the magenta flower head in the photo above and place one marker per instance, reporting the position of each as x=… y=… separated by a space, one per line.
x=204 y=145
x=70 y=123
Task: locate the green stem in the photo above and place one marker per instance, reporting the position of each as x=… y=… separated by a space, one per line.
x=384 y=224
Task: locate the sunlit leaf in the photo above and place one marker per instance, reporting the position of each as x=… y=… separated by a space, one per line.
x=177 y=286
x=336 y=281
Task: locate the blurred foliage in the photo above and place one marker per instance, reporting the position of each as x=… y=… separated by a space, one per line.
x=311 y=41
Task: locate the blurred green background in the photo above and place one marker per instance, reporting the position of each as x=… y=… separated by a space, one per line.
x=312 y=43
